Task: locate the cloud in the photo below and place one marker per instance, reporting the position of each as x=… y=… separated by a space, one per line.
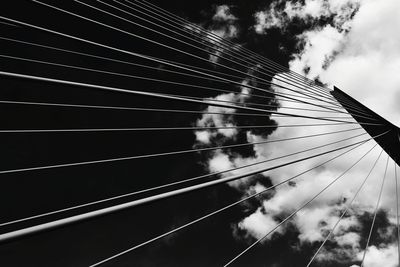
x=223 y=13
x=258 y=224
x=320 y=47
x=280 y=14
x=222 y=160
x=218 y=117
x=268 y=19
x=348 y=239
x=224 y=24
x=380 y=256
x=219 y=162
x=315 y=224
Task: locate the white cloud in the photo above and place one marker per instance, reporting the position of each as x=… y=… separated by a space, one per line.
x=319 y=48
x=258 y=224
x=223 y=13
x=309 y=223
x=348 y=239
x=219 y=162
x=203 y=137
x=378 y=257
x=223 y=117
x=309 y=12
x=217 y=117
x=267 y=19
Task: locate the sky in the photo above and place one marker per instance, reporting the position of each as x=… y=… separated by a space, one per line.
x=351 y=44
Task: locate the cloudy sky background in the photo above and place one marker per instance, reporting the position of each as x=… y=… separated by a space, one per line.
x=350 y=44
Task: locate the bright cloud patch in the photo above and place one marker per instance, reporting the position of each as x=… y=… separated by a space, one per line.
x=311 y=11
x=320 y=44
x=380 y=256
x=259 y=224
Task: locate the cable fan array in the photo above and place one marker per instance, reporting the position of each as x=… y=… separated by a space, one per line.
x=94 y=79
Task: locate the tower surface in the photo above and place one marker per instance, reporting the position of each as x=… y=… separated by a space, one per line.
x=372 y=123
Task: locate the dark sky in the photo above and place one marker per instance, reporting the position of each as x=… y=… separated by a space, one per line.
x=210 y=243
